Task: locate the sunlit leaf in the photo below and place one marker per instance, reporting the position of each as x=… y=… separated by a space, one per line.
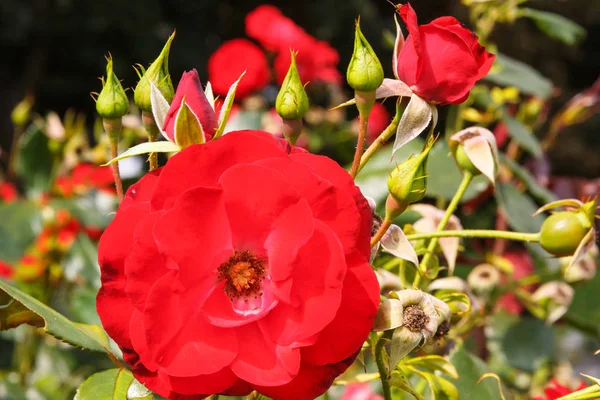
x=113 y=384
x=556 y=26
x=523 y=136
x=18 y=308
x=510 y=72
x=148 y=147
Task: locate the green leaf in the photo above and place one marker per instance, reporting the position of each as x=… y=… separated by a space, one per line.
x=443 y=174
x=471 y=368
x=35 y=161
x=113 y=384
x=21 y=223
x=145 y=148
x=441 y=388
x=397 y=379
x=540 y=193
x=528 y=351
x=585 y=295
x=518 y=208
x=11 y=390
x=226 y=108
x=510 y=72
x=556 y=26
x=523 y=136
x=434 y=363
x=18 y=308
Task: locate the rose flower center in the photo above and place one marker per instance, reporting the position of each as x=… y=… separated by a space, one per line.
x=414 y=318
x=243 y=273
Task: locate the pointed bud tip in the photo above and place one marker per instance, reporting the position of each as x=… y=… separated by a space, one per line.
x=112 y=102
x=292 y=101
x=365 y=72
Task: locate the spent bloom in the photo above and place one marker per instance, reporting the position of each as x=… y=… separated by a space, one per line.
x=475 y=150
x=553 y=299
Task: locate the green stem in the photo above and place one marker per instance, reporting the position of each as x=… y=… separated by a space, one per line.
x=360 y=145
x=464 y=184
x=153 y=134
x=380 y=141
x=379 y=359
x=385 y=225
x=478 y=233
x=113 y=128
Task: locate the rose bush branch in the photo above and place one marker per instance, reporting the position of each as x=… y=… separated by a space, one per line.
x=484 y=234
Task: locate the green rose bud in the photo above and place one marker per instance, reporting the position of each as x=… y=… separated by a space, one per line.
x=365 y=72
x=112 y=102
x=158 y=74
x=408 y=181
x=20 y=114
x=292 y=101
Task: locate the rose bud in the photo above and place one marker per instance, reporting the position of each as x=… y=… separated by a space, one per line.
x=412 y=316
x=21 y=113
x=475 y=151
x=238 y=266
x=157 y=74
x=191 y=118
x=292 y=102
x=112 y=102
x=408 y=181
x=483 y=279
x=440 y=61
x=365 y=73
x=553 y=300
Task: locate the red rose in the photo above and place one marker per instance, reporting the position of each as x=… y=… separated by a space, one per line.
x=190 y=89
x=442 y=60
x=316 y=61
x=233 y=58
x=557 y=390
x=242 y=264
x=273 y=30
x=83 y=178
x=8 y=192
x=6 y=270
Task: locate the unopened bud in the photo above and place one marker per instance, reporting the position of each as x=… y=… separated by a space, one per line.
x=408 y=181
x=112 y=103
x=22 y=111
x=292 y=101
x=365 y=73
x=158 y=74
x=475 y=151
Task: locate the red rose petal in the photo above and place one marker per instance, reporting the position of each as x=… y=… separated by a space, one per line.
x=360 y=300
x=255 y=196
x=178 y=336
x=144 y=265
x=260 y=361
x=142 y=190
x=195 y=234
x=208 y=384
x=311 y=382
x=202 y=165
x=316 y=290
x=329 y=170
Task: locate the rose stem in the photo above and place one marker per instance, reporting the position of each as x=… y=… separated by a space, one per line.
x=381 y=231
x=379 y=359
x=479 y=233
x=153 y=134
x=466 y=180
x=360 y=145
x=113 y=129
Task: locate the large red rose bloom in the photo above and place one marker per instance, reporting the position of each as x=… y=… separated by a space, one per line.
x=442 y=60
x=241 y=265
x=233 y=58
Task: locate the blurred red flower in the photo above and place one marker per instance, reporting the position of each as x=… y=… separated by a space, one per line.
x=6 y=270
x=556 y=390
x=359 y=391
x=8 y=192
x=83 y=178
x=233 y=58
x=316 y=59
x=379 y=119
x=522 y=267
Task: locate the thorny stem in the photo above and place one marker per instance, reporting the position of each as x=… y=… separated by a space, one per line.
x=153 y=134
x=379 y=359
x=464 y=184
x=360 y=145
x=478 y=233
x=113 y=129
x=380 y=141
x=381 y=231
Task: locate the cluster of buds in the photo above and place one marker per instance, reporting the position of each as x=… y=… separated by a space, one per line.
x=414 y=318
